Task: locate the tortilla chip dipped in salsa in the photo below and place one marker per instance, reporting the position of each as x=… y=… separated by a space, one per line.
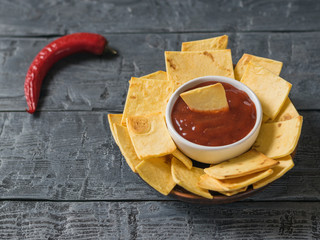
x=185 y=66
x=220 y=42
x=207 y=99
x=216 y=128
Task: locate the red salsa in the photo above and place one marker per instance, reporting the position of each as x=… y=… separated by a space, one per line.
x=218 y=128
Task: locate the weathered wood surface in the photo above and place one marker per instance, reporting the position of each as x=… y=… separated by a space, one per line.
x=86 y=82
x=154 y=220
x=72 y=156
x=66 y=153
x=32 y=17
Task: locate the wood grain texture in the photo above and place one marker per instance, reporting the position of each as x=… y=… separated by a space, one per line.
x=87 y=82
x=158 y=220
x=60 y=17
x=72 y=156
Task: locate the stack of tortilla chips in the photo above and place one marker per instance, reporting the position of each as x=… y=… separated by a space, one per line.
x=143 y=138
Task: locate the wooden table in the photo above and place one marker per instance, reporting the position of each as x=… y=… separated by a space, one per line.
x=61 y=174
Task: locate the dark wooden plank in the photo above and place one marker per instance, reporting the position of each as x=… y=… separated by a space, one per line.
x=52 y=17
x=158 y=220
x=85 y=82
x=72 y=156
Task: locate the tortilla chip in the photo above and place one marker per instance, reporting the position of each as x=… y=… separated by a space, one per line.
x=159 y=75
x=265 y=118
x=157 y=173
x=236 y=183
x=220 y=42
x=245 y=164
x=207 y=98
x=287 y=112
x=183 y=158
x=146 y=96
x=185 y=66
x=284 y=166
x=114 y=118
x=150 y=136
x=231 y=193
x=188 y=178
x=126 y=147
x=271 y=89
x=272 y=65
x=279 y=139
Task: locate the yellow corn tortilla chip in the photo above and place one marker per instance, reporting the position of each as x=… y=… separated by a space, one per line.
x=188 y=178
x=159 y=75
x=271 y=89
x=210 y=183
x=272 y=65
x=231 y=193
x=279 y=139
x=207 y=98
x=183 y=158
x=114 y=118
x=240 y=182
x=220 y=42
x=284 y=166
x=287 y=112
x=126 y=147
x=245 y=164
x=265 y=118
x=157 y=173
x=185 y=66
x=150 y=136
x=146 y=96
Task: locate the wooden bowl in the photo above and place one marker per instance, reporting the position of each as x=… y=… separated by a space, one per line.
x=185 y=196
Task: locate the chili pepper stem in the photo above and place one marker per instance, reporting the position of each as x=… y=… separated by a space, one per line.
x=109 y=50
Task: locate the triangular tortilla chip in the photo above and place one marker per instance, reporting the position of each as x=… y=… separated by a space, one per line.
x=231 y=193
x=210 y=183
x=245 y=164
x=114 y=118
x=285 y=164
x=157 y=173
x=159 y=75
x=185 y=66
x=265 y=118
x=240 y=182
x=287 y=112
x=207 y=98
x=126 y=146
x=271 y=89
x=272 y=65
x=220 y=42
x=146 y=96
x=279 y=139
x=150 y=136
x=188 y=178
x=183 y=158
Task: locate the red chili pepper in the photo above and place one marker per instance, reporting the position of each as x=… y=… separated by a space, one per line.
x=53 y=52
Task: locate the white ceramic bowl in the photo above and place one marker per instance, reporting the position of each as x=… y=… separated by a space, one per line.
x=217 y=154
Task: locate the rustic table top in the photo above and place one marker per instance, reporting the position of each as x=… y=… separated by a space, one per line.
x=61 y=174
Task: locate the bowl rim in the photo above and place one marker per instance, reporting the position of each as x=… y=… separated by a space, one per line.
x=193 y=82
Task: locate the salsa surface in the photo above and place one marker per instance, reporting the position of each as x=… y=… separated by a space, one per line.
x=219 y=128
